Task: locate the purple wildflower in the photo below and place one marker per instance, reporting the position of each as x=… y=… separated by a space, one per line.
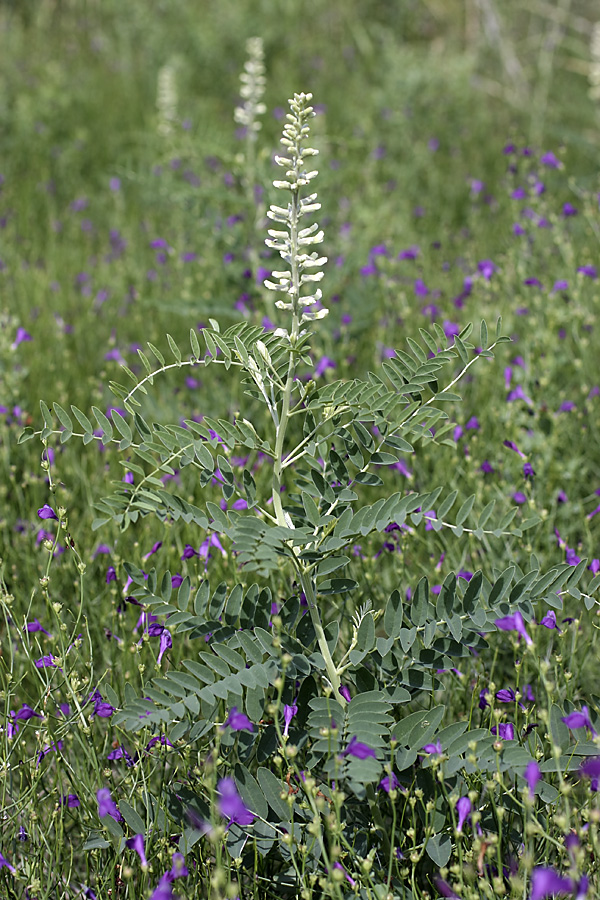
x=106 y=805
x=357 y=749
x=463 y=808
x=514 y=623
x=546 y=883
x=231 y=805
x=22 y=335
x=589 y=271
x=163 y=890
x=137 y=843
x=505 y=731
x=46 y=512
x=389 y=783
x=532 y=775
x=289 y=711
x=580 y=720
x=4 y=863
x=445 y=890
x=238 y=721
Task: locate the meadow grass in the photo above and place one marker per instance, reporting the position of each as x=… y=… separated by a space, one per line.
x=458 y=149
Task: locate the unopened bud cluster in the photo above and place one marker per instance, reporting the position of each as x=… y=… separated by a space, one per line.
x=292 y=242
x=252 y=88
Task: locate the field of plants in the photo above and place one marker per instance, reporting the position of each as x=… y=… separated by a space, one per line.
x=299 y=450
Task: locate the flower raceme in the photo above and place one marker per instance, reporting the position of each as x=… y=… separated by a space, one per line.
x=303 y=265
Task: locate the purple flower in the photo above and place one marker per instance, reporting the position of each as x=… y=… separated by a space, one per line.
x=550 y=160
x=46 y=512
x=505 y=731
x=546 y=883
x=512 y=446
x=589 y=271
x=532 y=775
x=106 y=805
x=163 y=890
x=238 y=721
x=444 y=888
x=70 y=800
x=389 y=783
x=549 y=620
x=569 y=210
x=231 y=805
x=289 y=711
x=137 y=844
x=433 y=748
x=37 y=626
x=487 y=268
x=505 y=695
x=357 y=749
x=166 y=642
x=179 y=868
x=514 y=623
x=463 y=808
x=579 y=720
x=351 y=881
x=21 y=336
x=111 y=574
x=26 y=712
x=4 y=863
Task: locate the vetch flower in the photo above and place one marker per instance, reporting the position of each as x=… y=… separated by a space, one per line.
x=579 y=720
x=505 y=731
x=289 y=711
x=547 y=883
x=4 y=863
x=230 y=804
x=532 y=775
x=163 y=890
x=359 y=750
x=22 y=335
x=238 y=721
x=137 y=844
x=514 y=623
x=46 y=512
x=389 y=783
x=106 y=805
x=179 y=868
x=463 y=809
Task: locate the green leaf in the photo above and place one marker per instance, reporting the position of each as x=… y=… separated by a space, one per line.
x=310 y=508
x=483 y=334
x=331 y=564
x=419 y=609
x=132 y=818
x=393 y=615
x=195 y=343
x=501 y=586
x=174 y=349
x=439 y=849
x=250 y=791
x=272 y=789
x=465 y=510
x=157 y=353
x=104 y=425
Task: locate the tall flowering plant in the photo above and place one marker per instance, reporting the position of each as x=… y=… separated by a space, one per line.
x=278 y=689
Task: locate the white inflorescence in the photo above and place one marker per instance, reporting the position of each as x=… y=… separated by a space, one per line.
x=166 y=99
x=594 y=76
x=252 y=89
x=291 y=242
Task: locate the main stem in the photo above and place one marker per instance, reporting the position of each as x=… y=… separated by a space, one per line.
x=307 y=581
